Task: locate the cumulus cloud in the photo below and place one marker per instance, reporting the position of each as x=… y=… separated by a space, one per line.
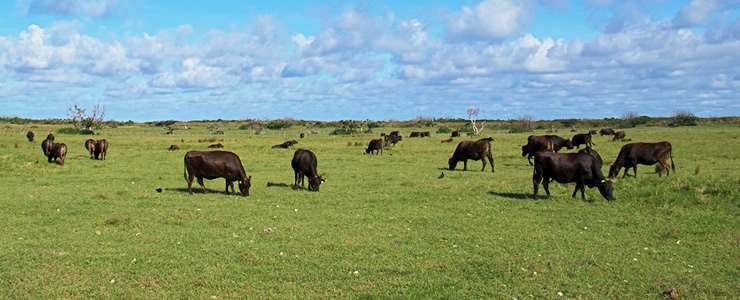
x=76 y=8
x=490 y=20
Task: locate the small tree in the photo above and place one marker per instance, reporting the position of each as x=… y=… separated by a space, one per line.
x=81 y=120
x=525 y=122
x=683 y=118
x=473 y=117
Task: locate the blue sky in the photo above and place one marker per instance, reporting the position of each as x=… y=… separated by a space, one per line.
x=379 y=60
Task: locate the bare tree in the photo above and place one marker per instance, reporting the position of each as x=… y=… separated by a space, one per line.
x=525 y=122
x=81 y=120
x=473 y=116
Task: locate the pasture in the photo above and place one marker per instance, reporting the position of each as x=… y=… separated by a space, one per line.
x=381 y=226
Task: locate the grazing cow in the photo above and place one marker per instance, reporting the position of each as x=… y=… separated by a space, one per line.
x=58 y=150
x=581 y=139
x=375 y=145
x=606 y=131
x=415 y=134
x=46 y=146
x=302 y=134
x=304 y=164
x=474 y=150
x=593 y=131
x=285 y=144
x=29 y=136
x=215 y=146
x=447 y=140
x=216 y=164
x=593 y=153
x=645 y=154
x=426 y=134
x=580 y=168
x=392 y=139
x=90 y=146
x=395 y=132
x=455 y=133
x=619 y=135
x=173 y=148
x=538 y=143
x=101 y=149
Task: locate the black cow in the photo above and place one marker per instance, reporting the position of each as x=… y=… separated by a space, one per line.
x=215 y=146
x=538 y=143
x=46 y=146
x=375 y=145
x=593 y=131
x=593 y=153
x=645 y=154
x=581 y=139
x=58 y=150
x=285 y=144
x=304 y=164
x=302 y=135
x=455 y=133
x=447 y=140
x=90 y=146
x=580 y=168
x=606 y=131
x=101 y=149
x=173 y=148
x=415 y=134
x=395 y=132
x=474 y=150
x=426 y=134
x=619 y=135
x=50 y=137
x=392 y=139
x=29 y=136
x=216 y=164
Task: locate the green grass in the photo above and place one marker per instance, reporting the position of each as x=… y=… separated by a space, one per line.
x=74 y=231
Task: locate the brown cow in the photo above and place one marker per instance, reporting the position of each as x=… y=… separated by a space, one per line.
x=216 y=164
x=455 y=133
x=538 y=143
x=58 y=150
x=392 y=139
x=215 y=146
x=302 y=135
x=645 y=154
x=580 y=168
x=375 y=145
x=415 y=134
x=29 y=136
x=285 y=144
x=46 y=146
x=606 y=131
x=90 y=146
x=426 y=134
x=304 y=163
x=173 y=148
x=475 y=150
x=581 y=139
x=447 y=140
x=619 y=135
x=101 y=149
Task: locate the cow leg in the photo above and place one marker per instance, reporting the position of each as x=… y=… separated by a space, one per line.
x=465 y=165
x=490 y=158
x=529 y=158
x=189 y=179
x=483 y=159
x=634 y=168
x=536 y=181
x=200 y=181
x=295 y=178
x=546 y=185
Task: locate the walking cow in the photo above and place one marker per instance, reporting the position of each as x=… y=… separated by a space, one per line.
x=101 y=149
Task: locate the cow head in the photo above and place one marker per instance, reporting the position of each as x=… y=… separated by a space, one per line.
x=524 y=150
x=569 y=144
x=452 y=162
x=315 y=182
x=244 y=185
x=606 y=189
x=613 y=170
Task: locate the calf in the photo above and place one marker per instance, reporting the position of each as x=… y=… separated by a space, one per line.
x=304 y=164
x=645 y=154
x=619 y=135
x=216 y=164
x=90 y=146
x=29 y=136
x=581 y=139
x=606 y=131
x=101 y=149
x=580 y=168
x=215 y=146
x=285 y=144
x=58 y=150
x=475 y=150
x=539 y=143
x=375 y=145
x=392 y=139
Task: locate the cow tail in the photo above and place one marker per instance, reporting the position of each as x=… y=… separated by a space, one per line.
x=185 y=171
x=673 y=166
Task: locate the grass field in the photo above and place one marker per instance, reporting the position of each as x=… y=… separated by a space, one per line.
x=381 y=226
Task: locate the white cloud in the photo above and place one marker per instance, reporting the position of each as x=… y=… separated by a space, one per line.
x=490 y=20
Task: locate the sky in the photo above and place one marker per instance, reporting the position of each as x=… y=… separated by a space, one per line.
x=185 y=60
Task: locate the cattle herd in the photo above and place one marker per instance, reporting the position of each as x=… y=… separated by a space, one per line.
x=582 y=167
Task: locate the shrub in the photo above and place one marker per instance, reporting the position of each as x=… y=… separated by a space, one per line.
x=683 y=118
x=444 y=130
x=519 y=130
x=278 y=124
x=342 y=131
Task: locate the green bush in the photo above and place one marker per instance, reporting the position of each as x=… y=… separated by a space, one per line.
x=278 y=124
x=444 y=130
x=520 y=130
x=342 y=131
x=683 y=118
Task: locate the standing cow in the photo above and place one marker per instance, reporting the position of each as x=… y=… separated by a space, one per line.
x=58 y=150
x=101 y=149
x=304 y=164
x=475 y=150
x=29 y=136
x=645 y=154
x=606 y=131
x=216 y=164
x=90 y=146
x=581 y=139
x=619 y=135
x=537 y=143
x=580 y=168
x=376 y=145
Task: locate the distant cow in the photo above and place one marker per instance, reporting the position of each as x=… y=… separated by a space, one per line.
x=302 y=135
x=304 y=164
x=593 y=131
x=375 y=145
x=215 y=146
x=173 y=148
x=619 y=135
x=455 y=133
x=216 y=164
x=58 y=150
x=415 y=134
x=285 y=144
x=593 y=153
x=581 y=139
x=539 y=143
x=580 y=168
x=90 y=146
x=29 y=136
x=392 y=139
x=426 y=134
x=645 y=154
x=475 y=150
x=395 y=132
x=606 y=131
x=101 y=149
x=447 y=140
x=46 y=146
x=50 y=137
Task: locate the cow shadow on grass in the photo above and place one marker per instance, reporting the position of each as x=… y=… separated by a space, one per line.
x=199 y=191
x=284 y=185
x=520 y=196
